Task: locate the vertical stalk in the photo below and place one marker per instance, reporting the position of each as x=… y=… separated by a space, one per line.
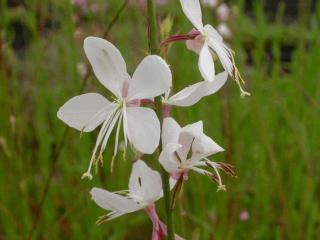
x=153 y=48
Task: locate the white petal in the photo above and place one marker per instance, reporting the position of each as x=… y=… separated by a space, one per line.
x=204 y=146
x=143 y=129
x=167 y=158
x=187 y=136
x=192 y=94
x=152 y=78
x=223 y=53
x=192 y=10
x=145 y=182
x=114 y=202
x=212 y=87
x=188 y=96
x=107 y=63
x=212 y=33
x=206 y=64
x=195 y=129
x=170 y=131
x=85 y=112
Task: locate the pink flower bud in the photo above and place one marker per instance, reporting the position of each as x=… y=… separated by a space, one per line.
x=244 y=215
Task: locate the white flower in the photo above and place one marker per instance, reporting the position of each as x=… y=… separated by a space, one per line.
x=187 y=148
x=140 y=125
x=145 y=188
x=193 y=93
x=208 y=39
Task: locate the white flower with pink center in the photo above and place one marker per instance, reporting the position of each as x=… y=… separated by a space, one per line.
x=145 y=188
x=204 y=39
x=140 y=124
x=188 y=148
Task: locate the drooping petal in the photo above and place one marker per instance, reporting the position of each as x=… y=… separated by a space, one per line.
x=85 y=112
x=170 y=131
x=192 y=10
x=143 y=129
x=212 y=87
x=152 y=78
x=187 y=136
x=107 y=63
x=204 y=146
x=215 y=41
x=116 y=203
x=167 y=158
x=224 y=55
x=145 y=182
x=206 y=64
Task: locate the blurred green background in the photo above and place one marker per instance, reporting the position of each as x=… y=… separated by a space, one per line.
x=272 y=137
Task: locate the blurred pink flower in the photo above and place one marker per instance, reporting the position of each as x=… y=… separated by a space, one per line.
x=244 y=215
x=209 y=3
x=80 y=3
x=224 y=30
x=223 y=12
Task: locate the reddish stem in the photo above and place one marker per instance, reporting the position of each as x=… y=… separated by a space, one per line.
x=166 y=110
x=190 y=36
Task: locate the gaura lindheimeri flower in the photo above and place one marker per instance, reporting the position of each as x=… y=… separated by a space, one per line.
x=193 y=93
x=145 y=188
x=188 y=148
x=140 y=125
x=204 y=40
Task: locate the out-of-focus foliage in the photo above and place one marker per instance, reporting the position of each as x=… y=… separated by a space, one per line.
x=272 y=137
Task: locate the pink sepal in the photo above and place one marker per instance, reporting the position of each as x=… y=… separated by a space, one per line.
x=159 y=230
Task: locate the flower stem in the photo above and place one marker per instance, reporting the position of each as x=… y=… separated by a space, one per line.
x=153 y=47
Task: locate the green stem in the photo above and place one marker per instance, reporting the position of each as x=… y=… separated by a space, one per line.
x=153 y=47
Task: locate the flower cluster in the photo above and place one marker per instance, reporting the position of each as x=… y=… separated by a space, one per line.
x=184 y=149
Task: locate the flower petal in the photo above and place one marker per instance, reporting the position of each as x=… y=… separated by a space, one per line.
x=192 y=94
x=167 y=158
x=187 y=136
x=224 y=54
x=212 y=33
x=107 y=63
x=212 y=87
x=116 y=203
x=206 y=64
x=85 y=112
x=188 y=96
x=152 y=78
x=192 y=10
x=170 y=131
x=145 y=182
x=204 y=146
x=143 y=129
